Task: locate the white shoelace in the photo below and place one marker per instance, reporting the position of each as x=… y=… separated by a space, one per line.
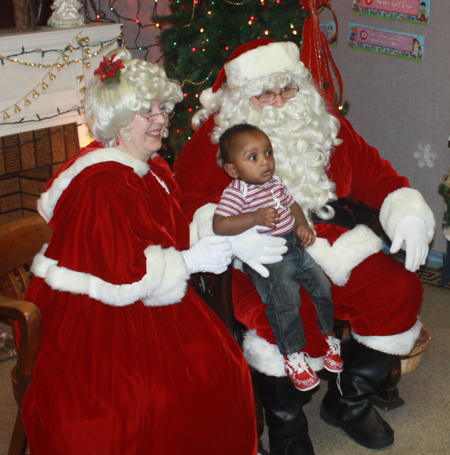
x=298 y=362
x=335 y=345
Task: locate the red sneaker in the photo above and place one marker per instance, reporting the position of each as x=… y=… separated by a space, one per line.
x=332 y=361
x=300 y=372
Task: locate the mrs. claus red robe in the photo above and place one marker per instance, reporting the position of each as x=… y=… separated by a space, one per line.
x=132 y=361
x=379 y=297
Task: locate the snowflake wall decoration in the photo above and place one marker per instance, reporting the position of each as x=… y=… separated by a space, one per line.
x=424 y=155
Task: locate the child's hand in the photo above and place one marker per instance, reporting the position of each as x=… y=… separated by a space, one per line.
x=305 y=234
x=267 y=216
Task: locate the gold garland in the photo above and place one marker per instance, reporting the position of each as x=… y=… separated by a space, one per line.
x=58 y=65
x=197 y=83
x=236 y=4
x=65 y=57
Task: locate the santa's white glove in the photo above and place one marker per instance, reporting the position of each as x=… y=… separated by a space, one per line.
x=411 y=235
x=256 y=249
x=210 y=254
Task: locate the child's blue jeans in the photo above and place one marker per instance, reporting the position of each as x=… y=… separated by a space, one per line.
x=280 y=292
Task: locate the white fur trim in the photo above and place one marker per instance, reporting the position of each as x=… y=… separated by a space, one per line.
x=266 y=357
x=164 y=283
x=349 y=250
x=400 y=344
x=401 y=204
x=263 y=61
x=201 y=225
x=48 y=200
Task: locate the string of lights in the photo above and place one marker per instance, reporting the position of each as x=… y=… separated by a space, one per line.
x=62 y=53
x=135 y=15
x=63 y=60
x=40 y=118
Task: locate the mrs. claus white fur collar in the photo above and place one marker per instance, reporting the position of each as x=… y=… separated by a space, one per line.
x=48 y=200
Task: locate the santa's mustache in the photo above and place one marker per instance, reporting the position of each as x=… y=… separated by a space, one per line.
x=287 y=119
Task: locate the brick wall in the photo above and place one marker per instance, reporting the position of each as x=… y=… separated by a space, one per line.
x=27 y=161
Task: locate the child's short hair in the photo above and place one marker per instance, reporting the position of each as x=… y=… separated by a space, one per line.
x=226 y=141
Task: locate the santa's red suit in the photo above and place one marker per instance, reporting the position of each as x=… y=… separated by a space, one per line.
x=319 y=158
x=370 y=289
x=132 y=361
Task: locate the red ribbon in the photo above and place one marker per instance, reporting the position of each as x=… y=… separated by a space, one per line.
x=316 y=55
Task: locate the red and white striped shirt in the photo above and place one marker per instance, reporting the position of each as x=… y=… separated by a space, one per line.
x=239 y=198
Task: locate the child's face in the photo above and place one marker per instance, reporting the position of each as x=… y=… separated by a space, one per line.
x=253 y=160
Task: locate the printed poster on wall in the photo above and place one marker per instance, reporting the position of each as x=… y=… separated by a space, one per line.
x=417 y=11
x=395 y=44
x=329 y=30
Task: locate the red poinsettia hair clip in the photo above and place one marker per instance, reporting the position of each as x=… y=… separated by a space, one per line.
x=109 y=70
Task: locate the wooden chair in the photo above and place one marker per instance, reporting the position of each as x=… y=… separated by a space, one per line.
x=19 y=242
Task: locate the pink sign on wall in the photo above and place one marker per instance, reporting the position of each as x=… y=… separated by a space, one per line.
x=384 y=39
x=415 y=11
x=395 y=6
x=387 y=42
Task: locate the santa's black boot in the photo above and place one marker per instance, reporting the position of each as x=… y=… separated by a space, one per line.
x=364 y=371
x=285 y=419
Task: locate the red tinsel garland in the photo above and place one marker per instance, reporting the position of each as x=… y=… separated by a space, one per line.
x=316 y=55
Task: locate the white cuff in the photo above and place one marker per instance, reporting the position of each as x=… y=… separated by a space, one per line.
x=349 y=250
x=400 y=344
x=402 y=203
x=164 y=283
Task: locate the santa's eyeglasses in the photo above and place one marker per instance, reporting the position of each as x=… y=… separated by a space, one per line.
x=286 y=93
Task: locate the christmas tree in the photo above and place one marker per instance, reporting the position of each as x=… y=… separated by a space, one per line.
x=199 y=36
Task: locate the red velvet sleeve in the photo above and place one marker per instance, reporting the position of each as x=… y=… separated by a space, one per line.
x=359 y=171
x=200 y=179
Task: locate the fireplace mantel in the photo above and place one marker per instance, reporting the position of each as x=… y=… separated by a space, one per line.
x=45 y=87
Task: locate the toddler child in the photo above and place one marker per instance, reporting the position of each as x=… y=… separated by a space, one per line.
x=256 y=197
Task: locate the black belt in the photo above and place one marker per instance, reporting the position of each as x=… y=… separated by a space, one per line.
x=342 y=216
x=348 y=213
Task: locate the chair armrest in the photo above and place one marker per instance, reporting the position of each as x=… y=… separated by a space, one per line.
x=29 y=320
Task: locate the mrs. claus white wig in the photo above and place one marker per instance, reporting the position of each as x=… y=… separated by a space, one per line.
x=111 y=106
x=302 y=132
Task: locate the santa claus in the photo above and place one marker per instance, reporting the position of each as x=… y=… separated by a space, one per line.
x=321 y=159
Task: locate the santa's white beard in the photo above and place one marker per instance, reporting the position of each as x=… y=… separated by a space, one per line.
x=302 y=141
